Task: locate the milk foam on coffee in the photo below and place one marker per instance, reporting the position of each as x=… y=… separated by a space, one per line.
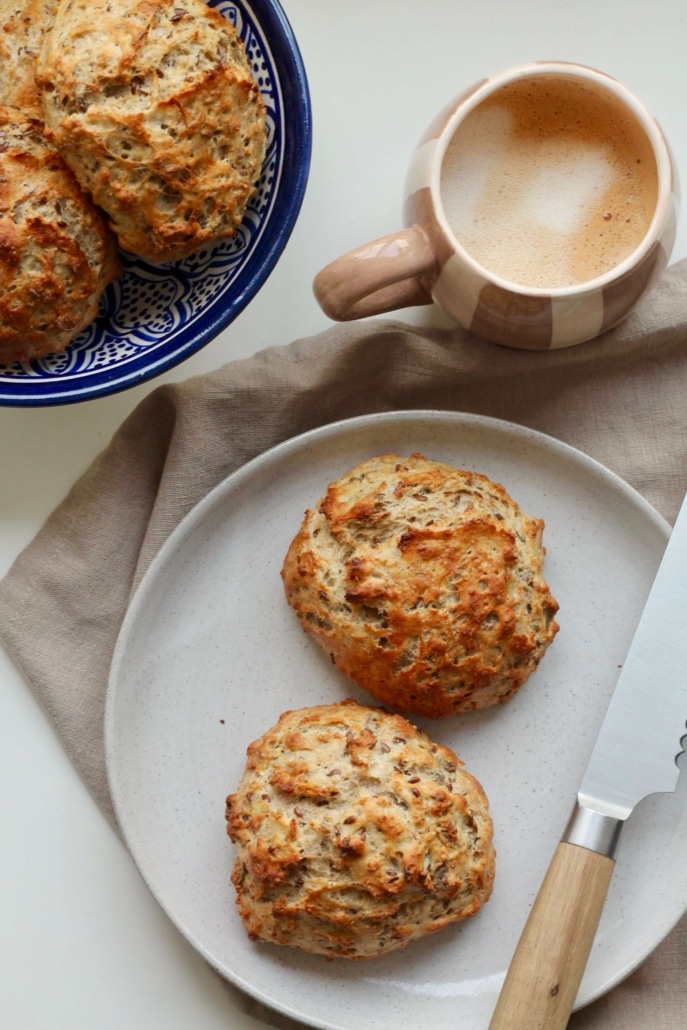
x=549 y=182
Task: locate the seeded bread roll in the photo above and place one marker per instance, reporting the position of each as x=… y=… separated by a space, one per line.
x=23 y=24
x=56 y=252
x=152 y=104
x=355 y=834
x=424 y=585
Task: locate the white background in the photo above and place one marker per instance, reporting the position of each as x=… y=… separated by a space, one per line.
x=82 y=944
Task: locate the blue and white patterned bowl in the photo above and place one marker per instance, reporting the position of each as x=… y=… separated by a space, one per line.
x=154 y=317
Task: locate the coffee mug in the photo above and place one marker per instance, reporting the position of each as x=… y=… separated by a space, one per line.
x=540 y=205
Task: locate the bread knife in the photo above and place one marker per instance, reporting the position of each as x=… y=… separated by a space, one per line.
x=635 y=755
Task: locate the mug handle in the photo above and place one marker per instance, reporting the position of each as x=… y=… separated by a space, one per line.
x=379 y=276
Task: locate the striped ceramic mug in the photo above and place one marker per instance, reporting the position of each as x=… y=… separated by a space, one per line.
x=540 y=205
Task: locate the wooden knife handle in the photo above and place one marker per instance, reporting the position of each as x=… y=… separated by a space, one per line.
x=544 y=976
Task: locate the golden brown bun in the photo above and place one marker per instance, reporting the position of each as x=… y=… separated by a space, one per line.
x=355 y=834
x=56 y=252
x=23 y=24
x=424 y=584
x=152 y=104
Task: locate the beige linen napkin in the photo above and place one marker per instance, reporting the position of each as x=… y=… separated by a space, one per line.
x=622 y=399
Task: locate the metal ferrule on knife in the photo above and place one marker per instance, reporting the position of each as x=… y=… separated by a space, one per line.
x=594 y=830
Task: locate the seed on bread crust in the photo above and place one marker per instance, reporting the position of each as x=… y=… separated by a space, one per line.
x=424 y=584
x=355 y=834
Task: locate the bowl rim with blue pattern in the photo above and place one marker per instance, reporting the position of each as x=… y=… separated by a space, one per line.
x=153 y=317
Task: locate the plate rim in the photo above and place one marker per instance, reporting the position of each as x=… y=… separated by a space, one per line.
x=234 y=480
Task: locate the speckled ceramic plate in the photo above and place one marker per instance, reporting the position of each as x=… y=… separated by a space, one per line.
x=154 y=317
x=210 y=655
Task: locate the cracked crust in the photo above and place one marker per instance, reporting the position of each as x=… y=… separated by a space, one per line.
x=424 y=585
x=355 y=834
x=153 y=106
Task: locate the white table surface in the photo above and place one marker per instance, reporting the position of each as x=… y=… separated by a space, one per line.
x=82 y=943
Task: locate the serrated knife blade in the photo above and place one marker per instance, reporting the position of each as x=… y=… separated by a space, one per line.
x=635 y=755
x=640 y=740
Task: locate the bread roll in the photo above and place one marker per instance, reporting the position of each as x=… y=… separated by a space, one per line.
x=355 y=834
x=424 y=585
x=153 y=106
x=56 y=252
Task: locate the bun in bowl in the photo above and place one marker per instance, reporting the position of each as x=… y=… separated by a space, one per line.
x=154 y=108
x=424 y=585
x=355 y=834
x=57 y=254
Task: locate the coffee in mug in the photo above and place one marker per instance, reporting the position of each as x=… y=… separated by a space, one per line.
x=549 y=182
x=540 y=205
